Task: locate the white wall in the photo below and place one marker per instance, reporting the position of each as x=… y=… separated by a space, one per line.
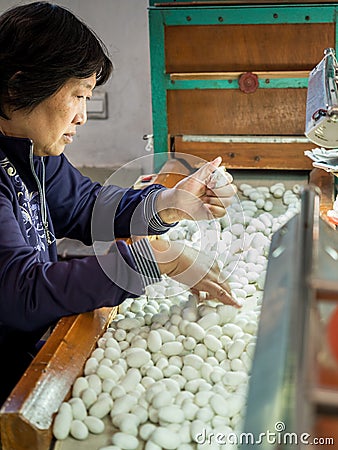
x=123 y=26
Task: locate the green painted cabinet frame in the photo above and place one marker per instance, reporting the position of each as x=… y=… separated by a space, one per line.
x=188 y=14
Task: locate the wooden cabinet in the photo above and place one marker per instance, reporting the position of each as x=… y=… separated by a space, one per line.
x=230 y=78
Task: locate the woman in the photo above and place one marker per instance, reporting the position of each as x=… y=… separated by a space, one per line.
x=50 y=62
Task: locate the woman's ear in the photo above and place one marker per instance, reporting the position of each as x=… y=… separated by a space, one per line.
x=13 y=82
x=11 y=95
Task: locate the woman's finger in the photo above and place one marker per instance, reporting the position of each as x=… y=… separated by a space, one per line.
x=216 y=211
x=203 y=174
x=217 y=291
x=228 y=190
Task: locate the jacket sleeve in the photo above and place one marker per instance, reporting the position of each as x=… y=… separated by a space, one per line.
x=34 y=294
x=83 y=210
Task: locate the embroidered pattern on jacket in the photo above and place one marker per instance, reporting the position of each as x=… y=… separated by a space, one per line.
x=29 y=206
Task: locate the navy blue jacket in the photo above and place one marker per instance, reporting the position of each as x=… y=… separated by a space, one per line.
x=35 y=288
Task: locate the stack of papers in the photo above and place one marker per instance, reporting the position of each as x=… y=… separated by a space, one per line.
x=324 y=159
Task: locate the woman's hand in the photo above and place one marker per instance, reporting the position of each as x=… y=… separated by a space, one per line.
x=193 y=268
x=196 y=197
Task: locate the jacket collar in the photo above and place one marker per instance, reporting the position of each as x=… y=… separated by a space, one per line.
x=16 y=149
x=19 y=152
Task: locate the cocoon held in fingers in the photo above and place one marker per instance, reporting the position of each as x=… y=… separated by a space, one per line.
x=219 y=178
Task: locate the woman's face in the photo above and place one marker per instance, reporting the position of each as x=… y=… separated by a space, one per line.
x=52 y=124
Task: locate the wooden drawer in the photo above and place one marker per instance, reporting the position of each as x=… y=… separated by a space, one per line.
x=246 y=47
x=231 y=112
x=248 y=155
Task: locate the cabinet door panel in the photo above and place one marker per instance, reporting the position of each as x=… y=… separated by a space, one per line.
x=253 y=47
x=230 y=112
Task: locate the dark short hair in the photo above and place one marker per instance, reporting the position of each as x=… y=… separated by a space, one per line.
x=42 y=46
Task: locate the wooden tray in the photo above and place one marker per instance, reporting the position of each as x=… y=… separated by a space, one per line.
x=27 y=415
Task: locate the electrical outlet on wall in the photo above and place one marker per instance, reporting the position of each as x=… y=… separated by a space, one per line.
x=97 y=106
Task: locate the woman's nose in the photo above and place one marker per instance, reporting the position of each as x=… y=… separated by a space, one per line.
x=80 y=117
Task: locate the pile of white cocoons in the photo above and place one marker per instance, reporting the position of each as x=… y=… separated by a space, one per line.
x=170 y=366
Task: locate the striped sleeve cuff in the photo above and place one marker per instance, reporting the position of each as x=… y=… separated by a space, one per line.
x=145 y=262
x=152 y=217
